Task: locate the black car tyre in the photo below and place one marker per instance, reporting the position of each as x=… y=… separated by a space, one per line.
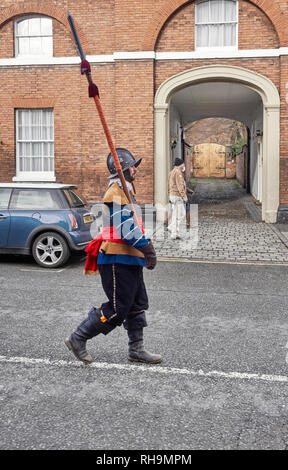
x=50 y=250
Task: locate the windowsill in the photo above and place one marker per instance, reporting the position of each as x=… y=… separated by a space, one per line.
x=32 y=56
x=216 y=49
x=199 y=53
x=34 y=176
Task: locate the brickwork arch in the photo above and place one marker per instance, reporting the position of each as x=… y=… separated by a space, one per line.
x=269 y=7
x=46 y=8
x=271 y=128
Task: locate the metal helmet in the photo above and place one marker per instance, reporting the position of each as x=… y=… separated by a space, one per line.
x=126 y=161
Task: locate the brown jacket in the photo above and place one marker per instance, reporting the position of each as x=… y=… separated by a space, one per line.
x=176 y=183
x=116 y=194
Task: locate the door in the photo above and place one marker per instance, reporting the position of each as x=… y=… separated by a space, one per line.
x=5 y=194
x=217 y=160
x=209 y=160
x=22 y=208
x=201 y=165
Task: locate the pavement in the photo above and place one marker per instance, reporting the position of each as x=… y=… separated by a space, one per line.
x=225 y=226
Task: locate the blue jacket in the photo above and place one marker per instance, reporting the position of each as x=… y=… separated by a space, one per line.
x=117 y=212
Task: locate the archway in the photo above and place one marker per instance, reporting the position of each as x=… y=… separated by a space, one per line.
x=254 y=82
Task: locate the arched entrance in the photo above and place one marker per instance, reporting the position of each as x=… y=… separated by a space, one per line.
x=271 y=128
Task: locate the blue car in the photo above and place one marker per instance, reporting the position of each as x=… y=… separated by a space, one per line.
x=48 y=221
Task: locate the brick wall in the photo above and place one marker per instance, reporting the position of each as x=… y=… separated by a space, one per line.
x=240 y=169
x=7 y=42
x=230 y=166
x=269 y=67
x=63 y=44
x=284 y=132
x=134 y=118
x=255 y=30
x=95 y=21
x=215 y=131
x=178 y=31
x=128 y=25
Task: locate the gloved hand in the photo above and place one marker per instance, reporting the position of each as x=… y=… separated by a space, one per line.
x=150 y=255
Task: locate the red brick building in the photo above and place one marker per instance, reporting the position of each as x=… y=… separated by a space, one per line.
x=159 y=64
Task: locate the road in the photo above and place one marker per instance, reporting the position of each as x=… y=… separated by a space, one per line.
x=223 y=384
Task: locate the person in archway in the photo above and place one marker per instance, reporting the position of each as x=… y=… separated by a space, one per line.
x=177 y=192
x=119 y=254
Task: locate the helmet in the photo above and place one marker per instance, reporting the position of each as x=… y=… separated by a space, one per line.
x=126 y=161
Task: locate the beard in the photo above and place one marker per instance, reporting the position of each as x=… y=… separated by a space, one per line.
x=127 y=176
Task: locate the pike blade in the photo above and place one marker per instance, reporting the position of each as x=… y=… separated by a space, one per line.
x=81 y=52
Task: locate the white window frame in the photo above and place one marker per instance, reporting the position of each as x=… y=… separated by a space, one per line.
x=17 y=36
x=217 y=48
x=32 y=175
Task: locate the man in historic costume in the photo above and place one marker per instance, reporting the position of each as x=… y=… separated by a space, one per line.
x=119 y=254
x=177 y=192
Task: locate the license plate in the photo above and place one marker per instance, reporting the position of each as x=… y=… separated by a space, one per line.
x=87 y=219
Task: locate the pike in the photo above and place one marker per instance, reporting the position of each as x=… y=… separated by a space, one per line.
x=93 y=92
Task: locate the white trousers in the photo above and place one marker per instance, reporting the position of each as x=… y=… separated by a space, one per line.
x=178 y=215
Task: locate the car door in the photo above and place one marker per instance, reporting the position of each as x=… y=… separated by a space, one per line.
x=5 y=220
x=23 y=215
x=29 y=208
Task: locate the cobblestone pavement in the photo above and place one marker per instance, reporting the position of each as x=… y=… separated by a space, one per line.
x=225 y=226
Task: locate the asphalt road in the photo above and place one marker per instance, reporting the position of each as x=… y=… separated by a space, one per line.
x=223 y=384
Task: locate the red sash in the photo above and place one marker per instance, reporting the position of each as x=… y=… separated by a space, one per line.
x=109 y=234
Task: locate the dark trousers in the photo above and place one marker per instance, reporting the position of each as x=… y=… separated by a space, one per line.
x=127 y=297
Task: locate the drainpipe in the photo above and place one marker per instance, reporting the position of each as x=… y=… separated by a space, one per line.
x=182 y=144
x=248 y=161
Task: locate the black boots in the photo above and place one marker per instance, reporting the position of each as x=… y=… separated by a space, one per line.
x=78 y=347
x=137 y=352
x=93 y=326
x=90 y=327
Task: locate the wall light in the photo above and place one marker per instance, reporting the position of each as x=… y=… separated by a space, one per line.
x=259 y=135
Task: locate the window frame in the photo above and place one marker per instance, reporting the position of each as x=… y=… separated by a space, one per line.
x=17 y=36
x=216 y=48
x=16 y=192
x=8 y=200
x=42 y=175
x=71 y=197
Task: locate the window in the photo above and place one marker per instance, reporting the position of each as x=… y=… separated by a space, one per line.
x=73 y=199
x=4 y=197
x=33 y=36
x=216 y=23
x=34 y=199
x=34 y=141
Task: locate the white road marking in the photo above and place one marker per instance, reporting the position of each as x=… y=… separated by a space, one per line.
x=173 y=260
x=45 y=270
x=146 y=368
x=250 y=263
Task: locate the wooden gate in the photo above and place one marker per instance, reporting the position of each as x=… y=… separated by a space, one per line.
x=209 y=160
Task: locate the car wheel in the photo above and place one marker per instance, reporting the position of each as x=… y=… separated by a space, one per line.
x=50 y=250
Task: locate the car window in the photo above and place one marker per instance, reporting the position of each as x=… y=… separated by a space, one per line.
x=73 y=198
x=4 y=197
x=34 y=199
